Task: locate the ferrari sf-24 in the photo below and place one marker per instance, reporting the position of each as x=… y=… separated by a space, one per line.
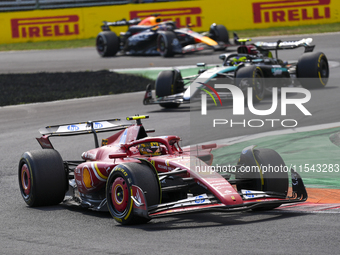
x=137 y=177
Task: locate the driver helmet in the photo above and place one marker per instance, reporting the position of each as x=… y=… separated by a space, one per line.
x=151 y=148
x=237 y=60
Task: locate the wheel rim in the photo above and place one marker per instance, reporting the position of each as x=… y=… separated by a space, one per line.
x=100 y=44
x=258 y=87
x=161 y=45
x=25 y=181
x=323 y=71
x=119 y=195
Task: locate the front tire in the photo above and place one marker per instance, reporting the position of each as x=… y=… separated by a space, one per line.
x=275 y=180
x=219 y=33
x=313 y=65
x=164 y=43
x=107 y=44
x=251 y=76
x=119 y=191
x=42 y=178
x=168 y=83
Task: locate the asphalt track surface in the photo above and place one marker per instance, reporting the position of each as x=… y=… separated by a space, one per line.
x=70 y=230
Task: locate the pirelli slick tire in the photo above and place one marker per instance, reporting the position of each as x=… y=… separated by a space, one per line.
x=107 y=44
x=164 y=43
x=119 y=191
x=272 y=176
x=251 y=76
x=42 y=178
x=219 y=33
x=312 y=70
x=168 y=83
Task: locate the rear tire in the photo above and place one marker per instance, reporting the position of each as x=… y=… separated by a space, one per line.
x=42 y=178
x=168 y=83
x=118 y=191
x=107 y=43
x=313 y=65
x=164 y=43
x=275 y=181
x=219 y=33
x=251 y=76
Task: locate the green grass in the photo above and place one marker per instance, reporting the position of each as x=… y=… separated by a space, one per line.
x=47 y=45
x=310 y=29
x=334 y=27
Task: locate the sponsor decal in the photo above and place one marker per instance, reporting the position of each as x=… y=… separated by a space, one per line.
x=45 y=27
x=97 y=125
x=162 y=167
x=165 y=167
x=121 y=170
x=199 y=199
x=253 y=194
x=182 y=16
x=73 y=127
x=278 y=70
x=290 y=10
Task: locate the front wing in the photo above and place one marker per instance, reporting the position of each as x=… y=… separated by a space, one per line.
x=206 y=202
x=176 y=98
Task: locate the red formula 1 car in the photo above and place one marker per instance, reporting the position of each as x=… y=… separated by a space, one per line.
x=138 y=178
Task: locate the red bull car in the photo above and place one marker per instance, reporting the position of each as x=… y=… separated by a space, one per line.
x=137 y=178
x=152 y=36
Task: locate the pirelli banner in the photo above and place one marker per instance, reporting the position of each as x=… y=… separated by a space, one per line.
x=78 y=23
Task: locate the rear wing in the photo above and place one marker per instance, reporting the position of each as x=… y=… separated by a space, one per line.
x=89 y=127
x=285 y=45
x=122 y=22
x=85 y=127
x=80 y=128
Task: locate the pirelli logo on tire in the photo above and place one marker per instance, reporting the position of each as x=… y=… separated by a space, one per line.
x=45 y=27
x=291 y=10
x=182 y=16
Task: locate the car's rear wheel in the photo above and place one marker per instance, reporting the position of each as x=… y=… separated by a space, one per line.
x=119 y=191
x=164 y=43
x=251 y=76
x=271 y=174
x=42 y=177
x=312 y=70
x=219 y=33
x=168 y=83
x=107 y=43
